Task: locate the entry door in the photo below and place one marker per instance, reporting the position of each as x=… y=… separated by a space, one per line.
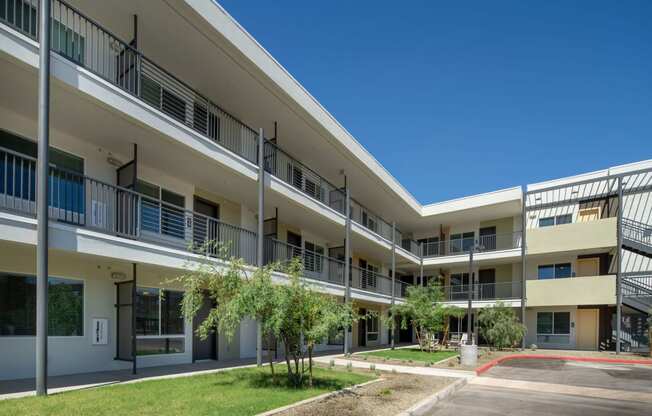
x=588 y=214
x=587 y=329
x=362 y=330
x=588 y=267
x=205 y=227
x=203 y=349
x=487 y=287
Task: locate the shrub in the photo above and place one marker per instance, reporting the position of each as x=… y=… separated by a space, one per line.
x=500 y=326
x=349 y=366
x=331 y=363
x=372 y=367
x=533 y=347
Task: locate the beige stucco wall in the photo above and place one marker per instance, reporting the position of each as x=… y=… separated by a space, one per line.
x=576 y=236
x=594 y=290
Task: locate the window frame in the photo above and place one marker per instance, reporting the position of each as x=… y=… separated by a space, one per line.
x=556 y=220
x=160 y=335
x=553 y=326
x=555 y=267
x=375 y=322
x=84 y=319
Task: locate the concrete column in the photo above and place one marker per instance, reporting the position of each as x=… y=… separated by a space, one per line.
x=392 y=342
x=523 y=255
x=347 y=261
x=261 y=224
x=619 y=277
x=43 y=162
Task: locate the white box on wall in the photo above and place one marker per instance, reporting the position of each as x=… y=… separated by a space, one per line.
x=100 y=331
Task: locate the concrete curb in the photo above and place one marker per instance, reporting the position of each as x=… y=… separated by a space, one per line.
x=426 y=405
x=317 y=398
x=485 y=367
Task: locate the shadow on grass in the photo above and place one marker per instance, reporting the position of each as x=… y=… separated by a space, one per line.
x=262 y=379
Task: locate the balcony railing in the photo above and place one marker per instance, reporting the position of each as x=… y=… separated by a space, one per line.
x=291 y=171
x=483 y=291
x=486 y=243
x=411 y=246
x=83 y=201
x=327 y=269
x=373 y=222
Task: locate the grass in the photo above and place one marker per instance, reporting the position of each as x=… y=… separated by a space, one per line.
x=411 y=354
x=236 y=392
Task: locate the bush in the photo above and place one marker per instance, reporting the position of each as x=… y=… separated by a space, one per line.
x=372 y=367
x=533 y=347
x=331 y=363
x=349 y=366
x=500 y=326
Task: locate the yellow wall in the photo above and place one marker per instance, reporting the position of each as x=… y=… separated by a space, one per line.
x=594 y=290
x=576 y=236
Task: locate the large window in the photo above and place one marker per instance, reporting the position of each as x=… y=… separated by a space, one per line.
x=556 y=220
x=18 y=175
x=166 y=218
x=555 y=271
x=160 y=325
x=462 y=242
x=553 y=327
x=430 y=246
x=18 y=306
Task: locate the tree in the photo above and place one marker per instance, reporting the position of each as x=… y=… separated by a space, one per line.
x=451 y=312
x=293 y=313
x=500 y=326
x=424 y=311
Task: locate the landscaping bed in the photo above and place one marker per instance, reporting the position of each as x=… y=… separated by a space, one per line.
x=405 y=356
x=235 y=392
x=392 y=395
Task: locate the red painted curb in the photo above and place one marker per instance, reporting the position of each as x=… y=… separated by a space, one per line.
x=483 y=368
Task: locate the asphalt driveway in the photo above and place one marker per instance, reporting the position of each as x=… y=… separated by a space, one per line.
x=553 y=387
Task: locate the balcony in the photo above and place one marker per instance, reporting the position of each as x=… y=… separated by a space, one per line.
x=95 y=205
x=319 y=267
x=578 y=236
x=491 y=247
x=592 y=290
x=483 y=292
x=86 y=43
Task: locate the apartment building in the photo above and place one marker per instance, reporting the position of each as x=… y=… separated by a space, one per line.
x=154 y=151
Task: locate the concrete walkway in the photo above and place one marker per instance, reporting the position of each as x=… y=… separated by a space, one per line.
x=424 y=371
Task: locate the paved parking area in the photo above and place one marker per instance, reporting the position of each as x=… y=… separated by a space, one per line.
x=553 y=387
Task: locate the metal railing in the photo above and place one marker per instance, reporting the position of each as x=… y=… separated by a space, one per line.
x=637 y=231
x=85 y=42
x=327 y=269
x=483 y=291
x=365 y=217
x=291 y=171
x=637 y=284
x=83 y=201
x=487 y=243
x=411 y=246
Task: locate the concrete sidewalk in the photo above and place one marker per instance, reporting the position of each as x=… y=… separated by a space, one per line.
x=424 y=371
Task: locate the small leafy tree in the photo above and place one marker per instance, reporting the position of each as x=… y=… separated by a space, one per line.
x=424 y=311
x=500 y=326
x=293 y=313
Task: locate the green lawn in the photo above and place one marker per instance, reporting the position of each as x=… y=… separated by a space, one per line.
x=414 y=354
x=236 y=392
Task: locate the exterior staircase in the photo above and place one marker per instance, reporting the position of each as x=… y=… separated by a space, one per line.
x=637 y=237
x=637 y=290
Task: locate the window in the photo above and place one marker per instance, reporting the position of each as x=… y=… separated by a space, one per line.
x=430 y=246
x=162 y=218
x=22 y=17
x=553 y=323
x=336 y=337
x=67 y=42
x=558 y=220
x=160 y=325
x=18 y=306
x=18 y=176
x=372 y=328
x=314 y=257
x=165 y=100
x=462 y=242
x=459 y=286
x=553 y=327
x=555 y=271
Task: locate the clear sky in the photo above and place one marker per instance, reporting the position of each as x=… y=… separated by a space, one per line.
x=462 y=97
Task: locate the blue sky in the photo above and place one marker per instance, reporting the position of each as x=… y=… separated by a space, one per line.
x=462 y=97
